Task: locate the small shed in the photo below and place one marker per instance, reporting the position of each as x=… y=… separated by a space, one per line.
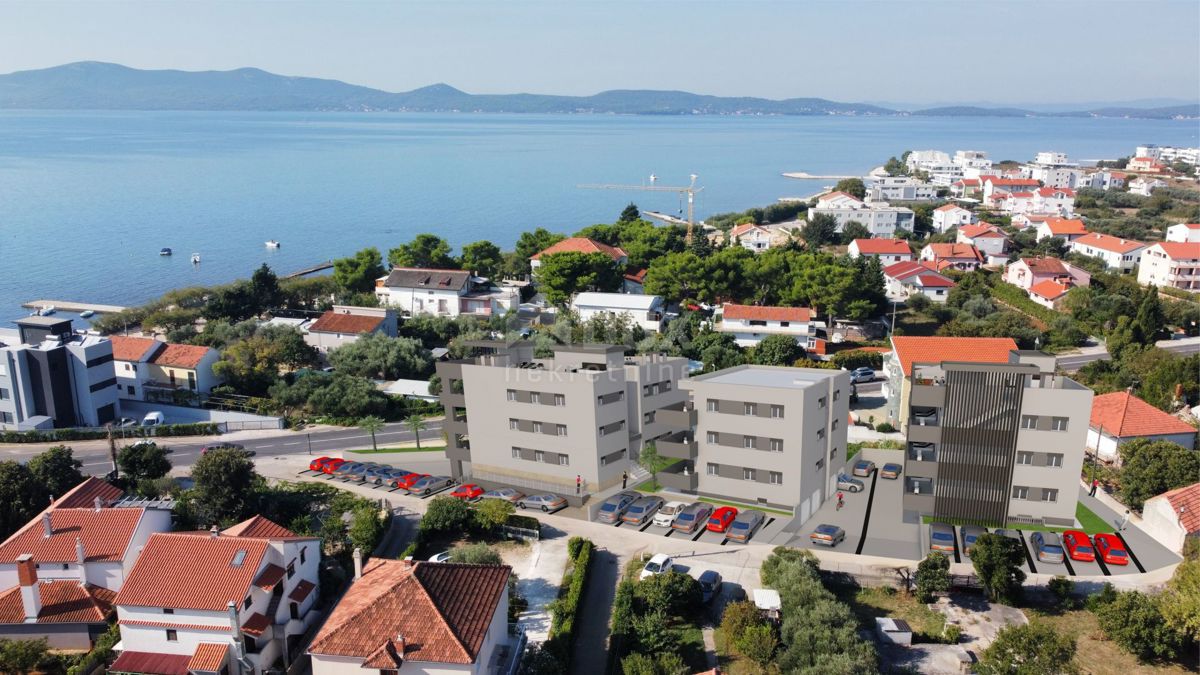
x=893 y=631
x=768 y=603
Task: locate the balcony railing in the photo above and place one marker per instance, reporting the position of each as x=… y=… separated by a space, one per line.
x=922 y=452
x=924 y=417
x=680 y=445
x=918 y=486
x=679 y=476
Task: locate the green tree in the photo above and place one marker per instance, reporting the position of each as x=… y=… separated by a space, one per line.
x=652 y=462
x=235 y=302
x=264 y=288
x=758 y=643
x=777 y=350
x=629 y=214
x=852 y=186
x=357 y=274
x=491 y=514
x=415 y=424
x=446 y=514
x=377 y=356
x=855 y=230
x=652 y=633
x=673 y=593
x=371 y=424
x=997 y=561
x=57 y=470
x=562 y=275
x=225 y=487
x=664 y=663
x=1031 y=649
x=675 y=276
x=739 y=616
x=529 y=244
x=366 y=529
x=143 y=461
x=933 y=576
x=1150 y=468
x=334 y=534
x=895 y=167
x=475 y=554
x=483 y=258
x=21 y=496
x=1150 y=320
x=1134 y=621
x=1180 y=602
x=425 y=250
x=23 y=656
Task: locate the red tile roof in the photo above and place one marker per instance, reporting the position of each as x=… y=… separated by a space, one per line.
x=756 y=313
x=638 y=276
x=105 y=535
x=1179 y=250
x=882 y=246
x=907 y=269
x=270 y=576
x=181 y=356
x=192 y=571
x=934 y=280
x=1126 y=416
x=954 y=252
x=835 y=195
x=1043 y=266
x=581 y=245
x=1021 y=195
x=1065 y=226
x=133 y=348
x=1108 y=243
x=1050 y=192
x=744 y=228
x=258 y=526
x=351 y=324
x=949 y=207
x=1049 y=289
x=208 y=657
x=1185 y=501
x=63 y=601
x=301 y=591
x=981 y=230
x=967 y=181
x=1014 y=182
x=256 y=625
x=84 y=495
x=913 y=349
x=442 y=610
x=150 y=663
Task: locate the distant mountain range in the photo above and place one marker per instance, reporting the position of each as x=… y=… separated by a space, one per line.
x=90 y=85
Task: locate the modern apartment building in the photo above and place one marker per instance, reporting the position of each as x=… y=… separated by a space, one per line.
x=1171 y=263
x=771 y=435
x=540 y=422
x=995 y=442
x=53 y=377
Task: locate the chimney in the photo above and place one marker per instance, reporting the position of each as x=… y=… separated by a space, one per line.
x=47 y=527
x=357 y=563
x=81 y=560
x=31 y=594
x=98 y=504
x=234 y=624
x=214 y=531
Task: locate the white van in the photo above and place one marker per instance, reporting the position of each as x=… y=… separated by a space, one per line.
x=153 y=419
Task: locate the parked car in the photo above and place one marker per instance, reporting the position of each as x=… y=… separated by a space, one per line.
x=941 y=538
x=1011 y=534
x=144 y=443
x=863 y=374
x=1047 y=547
x=710 y=585
x=332 y=465
x=442 y=557
x=658 y=564
x=153 y=419
x=345 y=469
x=827 y=535
x=642 y=509
x=125 y=422
x=721 y=519
x=359 y=473
x=745 y=525
x=849 y=484
x=469 y=492
x=1111 y=549
x=318 y=463
x=389 y=476
x=666 y=514
x=406 y=481
x=429 y=484
x=969 y=534
x=863 y=468
x=614 y=507
x=546 y=502
x=692 y=516
x=891 y=471
x=1078 y=546
x=507 y=494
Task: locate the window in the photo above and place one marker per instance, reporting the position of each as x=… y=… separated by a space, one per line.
x=1029 y=421
x=820 y=463
x=516 y=453
x=3 y=394
x=837 y=394
x=712 y=405
x=1049 y=495
x=821 y=402
x=776 y=445
x=749 y=442
x=647 y=389
x=712 y=438
x=512 y=394
x=539 y=456
x=303 y=551
x=537 y=427
x=563 y=460
x=777 y=411
x=513 y=424
x=776 y=478
x=1058 y=423
x=833 y=452
x=246 y=603
x=6 y=417
x=172 y=635
x=750 y=408
x=291 y=571
x=1020 y=492
x=748 y=474
x=820 y=434
x=648 y=418
x=712 y=469
x=664 y=386
x=535 y=397
x=835 y=424
x=561 y=430
x=1024 y=458
x=168 y=610
x=1054 y=459
x=560 y=400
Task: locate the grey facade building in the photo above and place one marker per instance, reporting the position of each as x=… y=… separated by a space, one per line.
x=995 y=442
x=775 y=436
x=539 y=423
x=53 y=377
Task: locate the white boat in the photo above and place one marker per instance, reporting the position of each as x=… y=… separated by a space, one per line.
x=47 y=310
x=87 y=314
x=164 y=251
x=272 y=244
x=195 y=258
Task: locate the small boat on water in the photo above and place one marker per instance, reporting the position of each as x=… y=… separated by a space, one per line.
x=87 y=314
x=195 y=258
x=47 y=310
x=164 y=251
x=272 y=244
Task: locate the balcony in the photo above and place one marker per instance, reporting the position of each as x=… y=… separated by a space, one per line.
x=922 y=452
x=679 y=476
x=918 y=486
x=677 y=416
x=924 y=417
x=679 y=445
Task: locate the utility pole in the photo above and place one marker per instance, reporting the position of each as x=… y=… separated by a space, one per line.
x=309 y=443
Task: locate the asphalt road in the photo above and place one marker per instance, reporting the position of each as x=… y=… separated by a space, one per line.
x=1073 y=362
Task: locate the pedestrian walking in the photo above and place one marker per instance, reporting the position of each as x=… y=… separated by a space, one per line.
x=624 y=479
x=1095 y=485
x=1124 y=521
x=578 y=484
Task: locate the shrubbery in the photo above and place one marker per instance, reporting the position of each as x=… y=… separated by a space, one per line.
x=57 y=435
x=565 y=609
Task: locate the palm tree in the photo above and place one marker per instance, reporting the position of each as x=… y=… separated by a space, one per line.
x=415 y=424
x=371 y=424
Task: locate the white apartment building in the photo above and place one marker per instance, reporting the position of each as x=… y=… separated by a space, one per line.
x=1117 y=254
x=1145 y=186
x=899 y=188
x=451 y=293
x=1053 y=169
x=1185 y=232
x=749 y=324
x=881 y=219
x=941 y=168
x=994 y=184
x=1102 y=180
x=1169 y=154
x=957 y=256
x=974 y=163
x=987 y=239
x=950 y=216
x=643 y=311
x=903 y=280
x=1171 y=263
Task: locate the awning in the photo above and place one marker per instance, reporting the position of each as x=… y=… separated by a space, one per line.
x=301 y=591
x=270 y=576
x=256 y=625
x=150 y=663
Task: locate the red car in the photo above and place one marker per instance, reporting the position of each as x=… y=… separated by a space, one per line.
x=1078 y=546
x=1111 y=550
x=332 y=465
x=469 y=492
x=405 y=482
x=720 y=520
x=318 y=464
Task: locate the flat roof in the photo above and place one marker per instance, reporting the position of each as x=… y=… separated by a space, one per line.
x=780 y=377
x=41 y=321
x=588 y=348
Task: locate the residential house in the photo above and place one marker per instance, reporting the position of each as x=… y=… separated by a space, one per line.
x=344 y=324
x=907 y=350
x=236 y=600
x=1028 y=272
x=1025 y=221
x=1015 y=202
x=987 y=239
x=634 y=281
x=751 y=237
x=401 y=617
x=53 y=377
x=451 y=293
x=888 y=251
x=1168 y=153
x=974 y=163
x=1121 y=417
x=882 y=220
x=1053 y=169
x=1048 y=293
x=1173 y=517
x=749 y=324
x=967 y=188
x=1171 y=264
x=1117 y=254
x=644 y=311
x=903 y=280
x=153 y=370
x=993 y=184
x=580 y=245
x=957 y=256
x=900 y=189
x=1102 y=180
x=1145 y=186
x=1059 y=200
x=1184 y=232
x=131 y=361
x=1145 y=165
x=1064 y=228
x=950 y=216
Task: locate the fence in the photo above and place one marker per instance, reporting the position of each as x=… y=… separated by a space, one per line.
x=250 y=425
x=521 y=533
x=564 y=488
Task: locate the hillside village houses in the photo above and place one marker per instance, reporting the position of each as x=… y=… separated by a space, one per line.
x=1168 y=153
x=945 y=170
x=908 y=350
x=443 y=292
x=1053 y=170
x=1025 y=221
x=344 y=324
x=1005 y=184
x=888 y=251
x=1145 y=165
x=1117 y=254
x=988 y=239
x=1027 y=272
x=1064 y=228
x=881 y=219
x=751 y=237
x=899 y=188
x=1102 y=180
x=1120 y=417
x=905 y=279
x=956 y=256
x=1049 y=293
x=1184 y=232
x=1145 y=186
x=645 y=311
x=950 y=216
x=749 y=324
x=967 y=188
x=152 y=370
x=1171 y=264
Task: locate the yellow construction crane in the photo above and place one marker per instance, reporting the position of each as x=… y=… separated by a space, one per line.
x=689 y=190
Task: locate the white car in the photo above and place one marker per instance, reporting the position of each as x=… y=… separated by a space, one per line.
x=666 y=515
x=659 y=564
x=442 y=557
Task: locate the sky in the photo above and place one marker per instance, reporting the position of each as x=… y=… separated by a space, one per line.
x=924 y=51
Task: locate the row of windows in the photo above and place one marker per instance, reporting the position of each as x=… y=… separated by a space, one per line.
x=750 y=409
x=614 y=397
x=774 y=477
x=1052 y=458
x=536 y=397
x=611 y=428
x=1031 y=422
x=1022 y=492
x=540 y=456
x=751 y=442
x=656 y=388
x=515 y=425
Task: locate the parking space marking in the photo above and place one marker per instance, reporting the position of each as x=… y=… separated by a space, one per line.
x=957 y=557
x=618 y=523
x=1129 y=550
x=1028 y=555
x=699 y=534
x=768 y=523
x=1103 y=566
x=669 y=533
x=862 y=537
x=646 y=526
x=1067 y=562
x=724 y=541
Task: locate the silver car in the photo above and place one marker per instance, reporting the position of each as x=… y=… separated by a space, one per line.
x=643 y=508
x=507 y=494
x=692 y=517
x=745 y=525
x=430 y=484
x=849 y=484
x=614 y=507
x=546 y=502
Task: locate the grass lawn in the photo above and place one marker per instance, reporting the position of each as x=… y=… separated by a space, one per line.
x=1097 y=655
x=392 y=451
x=912 y=323
x=729 y=660
x=1089 y=522
x=691 y=646
x=871 y=602
x=740 y=506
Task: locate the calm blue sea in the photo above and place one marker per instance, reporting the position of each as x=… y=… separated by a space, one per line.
x=88 y=198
